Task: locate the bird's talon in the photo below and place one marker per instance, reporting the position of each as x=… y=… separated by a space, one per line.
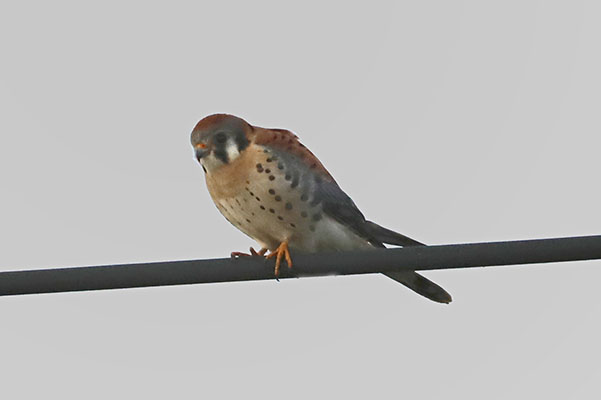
x=253 y=253
x=281 y=251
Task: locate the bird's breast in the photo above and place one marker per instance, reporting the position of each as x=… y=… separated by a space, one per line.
x=269 y=197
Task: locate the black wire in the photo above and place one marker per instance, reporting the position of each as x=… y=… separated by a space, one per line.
x=315 y=264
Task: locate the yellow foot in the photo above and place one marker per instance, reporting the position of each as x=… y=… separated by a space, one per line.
x=236 y=254
x=281 y=251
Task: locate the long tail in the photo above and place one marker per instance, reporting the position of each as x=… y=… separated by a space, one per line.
x=411 y=279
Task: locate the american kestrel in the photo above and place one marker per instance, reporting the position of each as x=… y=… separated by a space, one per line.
x=271 y=187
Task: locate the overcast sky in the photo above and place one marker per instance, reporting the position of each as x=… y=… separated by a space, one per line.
x=451 y=122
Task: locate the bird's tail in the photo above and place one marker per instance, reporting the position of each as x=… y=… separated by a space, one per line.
x=411 y=279
x=421 y=285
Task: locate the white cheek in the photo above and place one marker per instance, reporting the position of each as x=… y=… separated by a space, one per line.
x=210 y=162
x=232 y=150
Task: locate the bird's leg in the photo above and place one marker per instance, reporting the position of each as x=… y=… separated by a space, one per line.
x=281 y=251
x=253 y=253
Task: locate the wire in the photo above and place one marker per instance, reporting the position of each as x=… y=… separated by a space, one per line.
x=314 y=264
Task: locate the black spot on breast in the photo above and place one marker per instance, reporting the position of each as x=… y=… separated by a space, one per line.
x=271 y=177
x=304 y=197
x=268 y=171
x=292 y=225
x=280 y=166
x=258 y=199
x=251 y=193
x=289 y=206
x=269 y=159
x=280 y=218
x=304 y=214
x=271 y=210
x=312 y=228
x=278 y=198
x=316 y=217
x=288 y=177
x=271 y=191
x=262 y=207
x=248 y=220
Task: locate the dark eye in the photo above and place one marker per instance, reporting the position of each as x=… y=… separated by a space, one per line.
x=221 y=137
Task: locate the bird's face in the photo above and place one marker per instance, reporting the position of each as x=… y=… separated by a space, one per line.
x=219 y=139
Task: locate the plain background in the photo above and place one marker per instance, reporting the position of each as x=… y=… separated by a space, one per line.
x=450 y=121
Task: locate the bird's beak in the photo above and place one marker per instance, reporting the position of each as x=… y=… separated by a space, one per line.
x=201 y=151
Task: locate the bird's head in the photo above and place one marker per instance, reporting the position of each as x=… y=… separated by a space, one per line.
x=219 y=139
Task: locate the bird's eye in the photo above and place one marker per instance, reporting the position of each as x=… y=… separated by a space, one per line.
x=221 y=137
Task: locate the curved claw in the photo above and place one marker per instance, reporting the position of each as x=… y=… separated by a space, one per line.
x=281 y=251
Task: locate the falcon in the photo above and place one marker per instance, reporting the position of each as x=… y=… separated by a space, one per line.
x=271 y=187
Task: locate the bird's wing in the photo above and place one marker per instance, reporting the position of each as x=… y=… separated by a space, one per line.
x=335 y=202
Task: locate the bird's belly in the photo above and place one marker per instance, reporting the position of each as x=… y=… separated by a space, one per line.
x=272 y=206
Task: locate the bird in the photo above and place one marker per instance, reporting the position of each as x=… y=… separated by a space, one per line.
x=271 y=187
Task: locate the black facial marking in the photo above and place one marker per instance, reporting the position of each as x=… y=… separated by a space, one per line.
x=220 y=137
x=221 y=154
x=241 y=140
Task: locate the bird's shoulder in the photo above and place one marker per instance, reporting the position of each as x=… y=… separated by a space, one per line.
x=286 y=144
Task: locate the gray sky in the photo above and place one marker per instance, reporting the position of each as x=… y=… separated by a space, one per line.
x=450 y=122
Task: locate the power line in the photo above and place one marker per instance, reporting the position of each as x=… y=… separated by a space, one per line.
x=316 y=264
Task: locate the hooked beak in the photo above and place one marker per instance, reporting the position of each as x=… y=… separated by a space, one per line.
x=201 y=151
